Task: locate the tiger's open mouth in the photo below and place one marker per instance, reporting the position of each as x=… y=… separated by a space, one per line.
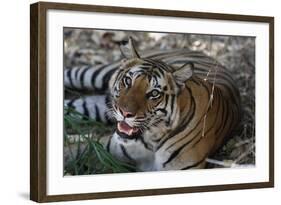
x=125 y=130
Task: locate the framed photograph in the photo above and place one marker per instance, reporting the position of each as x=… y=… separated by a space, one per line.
x=134 y=102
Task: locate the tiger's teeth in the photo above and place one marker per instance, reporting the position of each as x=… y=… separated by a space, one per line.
x=130 y=132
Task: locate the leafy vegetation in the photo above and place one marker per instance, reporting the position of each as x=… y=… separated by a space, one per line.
x=85 y=154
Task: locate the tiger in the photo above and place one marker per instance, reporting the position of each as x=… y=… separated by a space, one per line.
x=172 y=110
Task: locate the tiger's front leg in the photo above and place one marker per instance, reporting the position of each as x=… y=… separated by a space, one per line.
x=133 y=151
x=182 y=164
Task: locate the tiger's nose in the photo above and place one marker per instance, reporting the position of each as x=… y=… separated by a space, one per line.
x=126 y=113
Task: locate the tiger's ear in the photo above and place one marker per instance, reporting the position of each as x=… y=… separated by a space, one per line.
x=128 y=49
x=183 y=73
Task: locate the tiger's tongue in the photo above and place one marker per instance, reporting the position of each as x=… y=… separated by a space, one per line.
x=125 y=128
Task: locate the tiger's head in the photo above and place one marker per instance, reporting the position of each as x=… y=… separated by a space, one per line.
x=144 y=93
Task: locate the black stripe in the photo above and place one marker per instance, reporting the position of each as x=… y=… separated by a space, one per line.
x=225 y=116
x=98 y=118
x=144 y=143
x=166 y=101
x=166 y=57
x=157 y=104
x=94 y=76
x=184 y=58
x=144 y=67
x=229 y=117
x=68 y=74
x=161 y=71
x=232 y=92
x=220 y=76
x=202 y=137
x=203 y=69
x=146 y=64
x=86 y=111
x=172 y=102
x=160 y=54
x=107 y=99
x=125 y=153
x=162 y=65
x=108 y=144
x=109 y=121
x=108 y=106
x=172 y=108
x=196 y=81
x=118 y=76
x=70 y=103
x=106 y=78
x=82 y=76
x=157 y=64
x=177 y=151
x=231 y=120
x=76 y=73
x=179 y=52
x=211 y=127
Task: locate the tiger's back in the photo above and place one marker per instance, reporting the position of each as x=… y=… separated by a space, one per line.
x=205 y=122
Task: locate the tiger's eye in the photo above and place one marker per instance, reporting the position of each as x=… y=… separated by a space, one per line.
x=154 y=93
